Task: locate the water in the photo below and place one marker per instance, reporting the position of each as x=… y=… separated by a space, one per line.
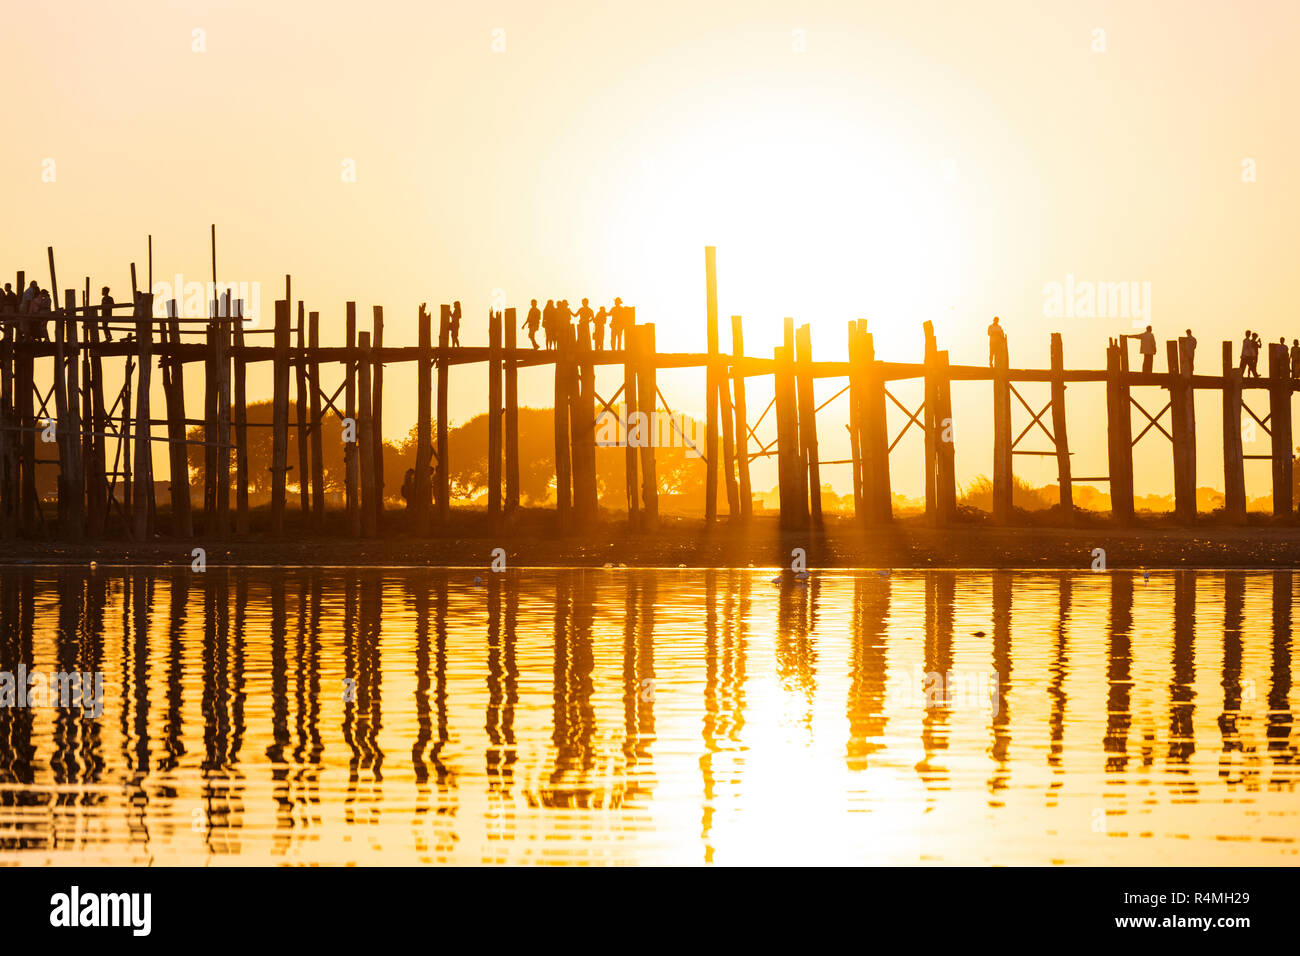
x=390 y=716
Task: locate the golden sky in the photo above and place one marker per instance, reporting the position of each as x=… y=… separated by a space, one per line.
x=898 y=162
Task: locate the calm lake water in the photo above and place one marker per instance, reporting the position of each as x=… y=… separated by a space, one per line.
x=392 y=716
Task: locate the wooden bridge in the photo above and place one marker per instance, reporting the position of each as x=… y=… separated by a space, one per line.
x=104 y=447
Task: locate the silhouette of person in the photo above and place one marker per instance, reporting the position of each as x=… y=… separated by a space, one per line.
x=408 y=487
x=585 y=316
x=997 y=339
x=1255 y=343
x=455 y=324
x=532 y=322
x=1191 y=350
x=600 y=329
x=1244 y=364
x=29 y=298
x=8 y=299
x=617 y=324
x=1295 y=358
x=549 y=319
x=1147 y=347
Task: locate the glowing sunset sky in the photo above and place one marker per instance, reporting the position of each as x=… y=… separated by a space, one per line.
x=914 y=161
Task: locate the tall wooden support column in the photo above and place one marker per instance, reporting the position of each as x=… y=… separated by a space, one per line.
x=1003 y=481
x=1120 y=434
x=279 y=416
x=1234 y=477
x=97 y=487
x=8 y=436
x=1279 y=423
x=141 y=511
x=577 y=463
x=808 y=423
x=586 y=497
x=632 y=433
x=1184 y=427
x=24 y=379
x=930 y=403
x=647 y=396
x=221 y=362
x=512 y=415
x=1064 y=478
x=377 y=414
x=711 y=386
x=240 y=416
x=317 y=426
x=442 y=486
x=69 y=426
x=877 y=488
x=945 y=475
x=494 y=417
x=787 y=438
x=422 y=487
x=856 y=401
x=743 y=490
x=563 y=478
x=351 y=463
x=300 y=404
x=365 y=440
x=173 y=374
x=61 y=431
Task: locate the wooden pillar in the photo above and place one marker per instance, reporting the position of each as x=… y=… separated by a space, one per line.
x=317 y=425
x=423 y=486
x=631 y=432
x=97 y=496
x=808 y=423
x=494 y=417
x=300 y=412
x=1234 y=478
x=577 y=444
x=1279 y=407
x=711 y=380
x=8 y=434
x=240 y=415
x=930 y=404
x=365 y=440
x=442 y=487
x=221 y=356
x=787 y=438
x=856 y=398
x=744 y=490
x=173 y=374
x=1184 y=431
x=1120 y=434
x=1003 y=480
x=877 y=489
x=24 y=384
x=1059 y=432
x=647 y=394
x=351 y=463
x=945 y=475
x=563 y=478
x=279 y=416
x=210 y=427
x=77 y=474
x=512 y=415
x=728 y=444
x=127 y=449
x=377 y=414
x=140 y=507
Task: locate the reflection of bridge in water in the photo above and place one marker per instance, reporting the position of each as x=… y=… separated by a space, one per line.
x=245 y=701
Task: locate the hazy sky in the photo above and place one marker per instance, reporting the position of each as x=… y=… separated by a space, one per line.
x=893 y=161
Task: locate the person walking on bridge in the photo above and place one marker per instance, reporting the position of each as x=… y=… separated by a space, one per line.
x=532 y=322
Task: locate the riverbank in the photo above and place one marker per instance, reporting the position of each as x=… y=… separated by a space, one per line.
x=533 y=541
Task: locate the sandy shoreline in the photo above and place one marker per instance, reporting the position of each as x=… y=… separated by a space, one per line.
x=908 y=543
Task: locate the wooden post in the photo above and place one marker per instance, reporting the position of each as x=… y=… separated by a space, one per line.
x=577 y=447
x=631 y=433
x=875 y=436
x=1184 y=431
x=856 y=400
x=317 y=425
x=140 y=507
x=1279 y=406
x=377 y=415
x=210 y=426
x=300 y=412
x=442 y=489
x=647 y=393
x=221 y=357
x=744 y=490
x=24 y=386
x=930 y=403
x=808 y=423
x=563 y=483
x=1234 y=478
x=711 y=387
x=584 y=434
x=241 y=425
x=351 y=463
x=787 y=437
x=1120 y=434
x=365 y=442
x=422 y=486
x=945 y=476
x=97 y=501
x=494 y=417
x=173 y=374
x=1003 y=480
x=8 y=434
x=127 y=449
x=280 y=417
x=1059 y=432
x=512 y=416
x=728 y=443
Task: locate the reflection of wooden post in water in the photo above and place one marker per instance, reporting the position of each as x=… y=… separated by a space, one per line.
x=743 y=491
x=1280 y=714
x=1182 y=694
x=1119 y=669
x=1003 y=582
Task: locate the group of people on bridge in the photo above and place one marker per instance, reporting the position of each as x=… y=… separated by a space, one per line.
x=556 y=316
x=33 y=307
